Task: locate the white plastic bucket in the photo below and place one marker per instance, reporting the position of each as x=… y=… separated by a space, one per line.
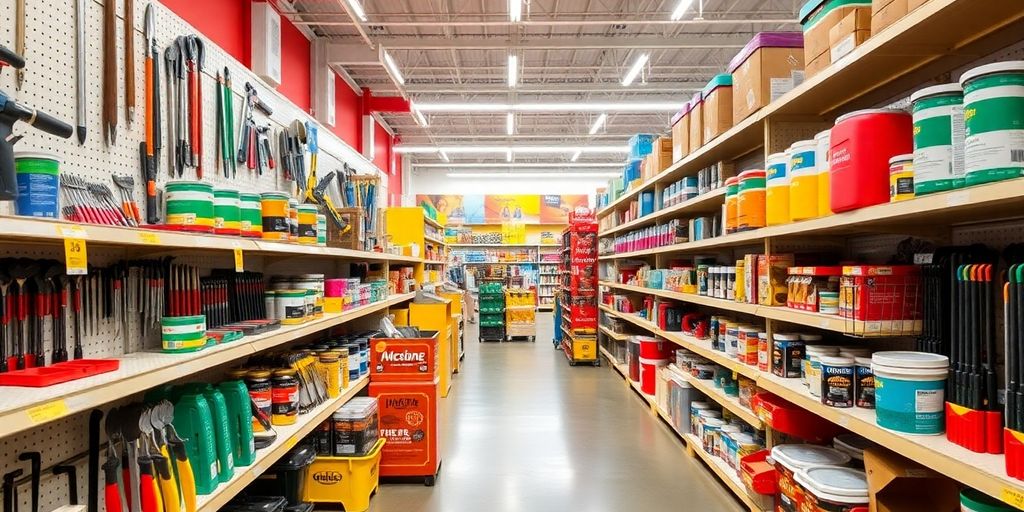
x=910 y=391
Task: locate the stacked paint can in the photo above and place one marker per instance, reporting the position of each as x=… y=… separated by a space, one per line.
x=189 y=206
x=293 y=220
x=38 y=177
x=274 y=209
x=250 y=216
x=803 y=180
x=750 y=204
x=861 y=144
x=938 y=138
x=183 y=333
x=732 y=190
x=993 y=120
x=227 y=212
x=306 y=216
x=321 y=229
x=777 y=196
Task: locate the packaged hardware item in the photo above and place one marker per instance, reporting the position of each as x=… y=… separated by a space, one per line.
x=771 y=275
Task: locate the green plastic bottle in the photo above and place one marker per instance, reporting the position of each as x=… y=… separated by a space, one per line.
x=239 y=421
x=225 y=442
x=194 y=422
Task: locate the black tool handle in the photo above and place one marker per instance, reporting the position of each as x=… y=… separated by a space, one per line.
x=8 y=179
x=72 y=481
x=94 y=460
x=37 y=467
x=243 y=146
x=49 y=124
x=8 y=57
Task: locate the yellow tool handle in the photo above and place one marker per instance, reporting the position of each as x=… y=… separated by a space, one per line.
x=168 y=485
x=186 y=480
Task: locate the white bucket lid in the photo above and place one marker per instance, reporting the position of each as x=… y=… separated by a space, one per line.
x=901 y=158
x=822 y=350
x=798 y=456
x=775 y=157
x=910 y=359
x=37 y=155
x=862 y=361
x=824 y=134
x=700 y=405
x=995 y=67
x=870 y=111
x=802 y=144
x=843 y=485
x=936 y=90
x=836 y=361
x=852 y=444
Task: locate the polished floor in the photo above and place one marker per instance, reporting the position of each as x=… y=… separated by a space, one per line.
x=525 y=432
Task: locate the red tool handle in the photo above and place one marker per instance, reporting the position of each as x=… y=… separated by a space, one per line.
x=150 y=496
x=198 y=120
x=251 y=163
x=113 y=498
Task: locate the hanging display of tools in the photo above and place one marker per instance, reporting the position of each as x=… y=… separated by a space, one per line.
x=152 y=100
x=110 y=84
x=292 y=154
x=126 y=186
x=129 y=61
x=171 y=66
x=81 y=112
x=19 y=41
x=312 y=146
x=196 y=66
x=94 y=203
x=222 y=156
x=247 y=143
x=229 y=123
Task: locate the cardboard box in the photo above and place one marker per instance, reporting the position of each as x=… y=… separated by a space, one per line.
x=914 y=4
x=696 y=123
x=887 y=12
x=895 y=484
x=767 y=74
x=849 y=33
x=817 y=23
x=817 y=65
x=717 y=108
x=408 y=420
x=681 y=135
x=661 y=157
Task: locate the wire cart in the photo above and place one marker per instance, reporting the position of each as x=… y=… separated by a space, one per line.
x=492 y=310
x=520 y=314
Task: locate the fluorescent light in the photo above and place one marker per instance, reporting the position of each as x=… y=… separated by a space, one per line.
x=357 y=8
x=599 y=123
x=513 y=70
x=515 y=149
x=635 y=70
x=444 y=156
x=515 y=10
x=533 y=175
x=420 y=119
x=681 y=9
x=394 y=68
x=518 y=165
x=576 y=156
x=508 y=156
x=552 y=107
x=510 y=123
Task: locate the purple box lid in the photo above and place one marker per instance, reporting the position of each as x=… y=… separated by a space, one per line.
x=767 y=40
x=682 y=112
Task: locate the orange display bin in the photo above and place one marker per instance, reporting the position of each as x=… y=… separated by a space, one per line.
x=408 y=420
x=404 y=359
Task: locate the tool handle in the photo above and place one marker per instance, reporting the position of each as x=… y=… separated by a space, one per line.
x=129 y=56
x=149 y=492
x=186 y=479
x=171 y=500
x=10 y=58
x=111 y=490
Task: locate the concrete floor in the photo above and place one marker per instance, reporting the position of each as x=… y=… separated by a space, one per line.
x=525 y=432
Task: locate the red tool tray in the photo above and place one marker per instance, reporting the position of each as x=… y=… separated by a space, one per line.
x=58 y=373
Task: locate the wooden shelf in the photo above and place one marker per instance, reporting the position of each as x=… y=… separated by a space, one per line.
x=21 y=410
x=505 y=245
x=613 y=335
x=728 y=402
x=709 y=202
x=724 y=473
x=287 y=437
x=432 y=239
x=432 y=222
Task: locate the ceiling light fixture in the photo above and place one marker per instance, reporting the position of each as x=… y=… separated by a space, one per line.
x=517 y=165
x=394 y=68
x=513 y=70
x=357 y=8
x=444 y=156
x=419 y=117
x=576 y=156
x=533 y=175
x=515 y=10
x=508 y=156
x=510 y=124
x=681 y=8
x=599 y=123
x=552 y=107
x=515 y=149
x=635 y=70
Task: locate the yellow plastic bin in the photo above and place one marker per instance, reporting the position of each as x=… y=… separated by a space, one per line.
x=348 y=481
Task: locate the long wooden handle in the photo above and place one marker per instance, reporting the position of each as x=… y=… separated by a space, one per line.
x=110 y=70
x=129 y=57
x=19 y=38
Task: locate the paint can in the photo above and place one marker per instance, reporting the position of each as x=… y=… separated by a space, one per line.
x=822 y=142
x=274 y=210
x=732 y=189
x=910 y=391
x=777 y=197
x=837 y=381
x=189 y=206
x=993 y=122
x=227 y=212
x=321 y=230
x=306 y=216
x=183 y=333
x=938 y=138
x=251 y=217
x=293 y=220
x=901 y=178
x=862 y=143
x=750 y=205
x=291 y=306
x=865 y=383
x=38 y=179
x=803 y=180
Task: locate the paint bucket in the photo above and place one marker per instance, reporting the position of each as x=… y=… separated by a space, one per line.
x=227 y=212
x=777 y=197
x=293 y=220
x=803 y=180
x=750 y=205
x=38 y=179
x=852 y=445
x=633 y=359
x=901 y=178
x=653 y=348
x=274 y=211
x=993 y=122
x=833 y=488
x=822 y=143
x=291 y=306
x=811 y=366
x=790 y=459
x=861 y=145
x=938 y=138
x=306 y=215
x=251 y=218
x=837 y=381
x=972 y=500
x=732 y=189
x=649 y=372
x=864 y=385
x=910 y=391
x=189 y=206
x=321 y=229
x=183 y=333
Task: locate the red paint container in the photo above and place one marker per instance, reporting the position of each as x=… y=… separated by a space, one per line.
x=649 y=373
x=654 y=348
x=862 y=143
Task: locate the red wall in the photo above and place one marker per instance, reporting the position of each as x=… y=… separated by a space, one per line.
x=295 y=65
x=348 y=117
x=226 y=22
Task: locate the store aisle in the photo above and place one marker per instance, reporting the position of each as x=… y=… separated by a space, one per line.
x=527 y=433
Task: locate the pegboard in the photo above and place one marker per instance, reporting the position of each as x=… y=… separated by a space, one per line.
x=50 y=85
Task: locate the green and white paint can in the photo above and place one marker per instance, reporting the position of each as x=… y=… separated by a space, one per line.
x=938 y=138
x=994 y=122
x=321 y=229
x=183 y=333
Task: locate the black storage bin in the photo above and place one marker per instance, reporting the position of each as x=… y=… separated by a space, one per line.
x=287 y=476
x=256 y=504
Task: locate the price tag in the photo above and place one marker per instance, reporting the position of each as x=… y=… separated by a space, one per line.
x=149 y=238
x=48 y=411
x=1012 y=496
x=958 y=198
x=72 y=232
x=291 y=442
x=239 y=260
x=76 y=257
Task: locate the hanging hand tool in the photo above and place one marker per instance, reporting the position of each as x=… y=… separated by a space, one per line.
x=80 y=69
x=229 y=122
x=60 y=349
x=37 y=469
x=148 y=490
x=153 y=428
x=126 y=185
x=312 y=143
x=5 y=317
x=72 y=481
x=129 y=423
x=220 y=147
x=19 y=40
x=110 y=84
x=171 y=61
x=152 y=118
x=21 y=272
x=181 y=124
x=182 y=466
x=10 y=491
x=191 y=65
x=113 y=482
x=199 y=65
x=129 y=59
x=76 y=313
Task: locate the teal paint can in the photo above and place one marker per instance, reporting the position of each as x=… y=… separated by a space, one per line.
x=37 y=175
x=910 y=391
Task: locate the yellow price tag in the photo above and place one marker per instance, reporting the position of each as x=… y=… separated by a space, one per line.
x=76 y=257
x=149 y=238
x=291 y=442
x=1013 y=496
x=239 y=260
x=48 y=411
x=72 y=232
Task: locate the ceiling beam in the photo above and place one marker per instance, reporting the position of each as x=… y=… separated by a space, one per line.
x=352 y=55
x=476 y=42
x=329 y=20
x=569 y=88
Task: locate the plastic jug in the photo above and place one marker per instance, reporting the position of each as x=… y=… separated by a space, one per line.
x=222 y=432
x=236 y=395
x=194 y=422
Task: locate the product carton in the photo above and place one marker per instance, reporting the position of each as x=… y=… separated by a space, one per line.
x=408 y=420
x=818 y=17
x=895 y=484
x=849 y=33
x=404 y=359
x=770 y=65
x=772 y=272
x=661 y=157
x=681 y=134
x=914 y=4
x=717 y=112
x=887 y=12
x=696 y=123
x=817 y=65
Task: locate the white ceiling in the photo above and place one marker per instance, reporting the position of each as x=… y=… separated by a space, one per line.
x=569 y=51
